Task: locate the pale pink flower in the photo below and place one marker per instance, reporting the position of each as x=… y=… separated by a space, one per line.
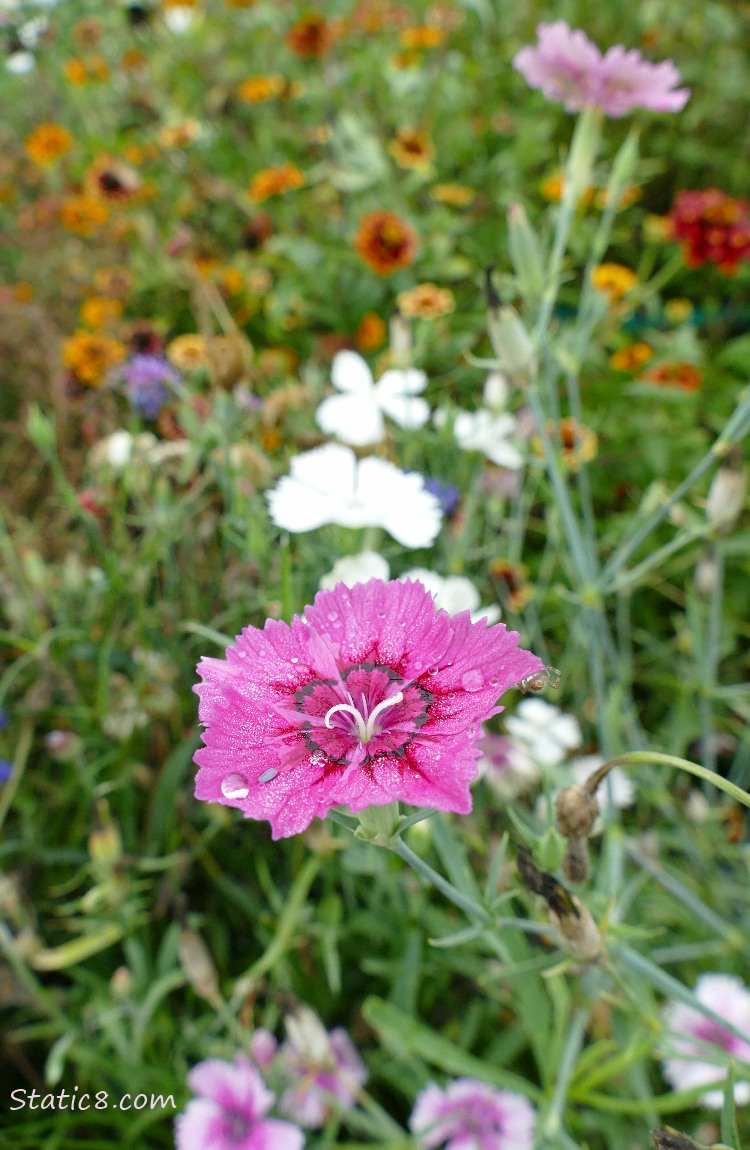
x=230 y=1111
x=373 y=696
x=470 y=1115
x=567 y=67
x=692 y=1035
x=321 y=1078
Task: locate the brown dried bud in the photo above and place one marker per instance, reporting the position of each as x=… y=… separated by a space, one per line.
x=575 y=811
x=579 y=931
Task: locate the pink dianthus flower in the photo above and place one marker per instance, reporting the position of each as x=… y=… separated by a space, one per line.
x=371 y=697
x=567 y=67
x=693 y=1034
x=470 y=1115
x=229 y=1112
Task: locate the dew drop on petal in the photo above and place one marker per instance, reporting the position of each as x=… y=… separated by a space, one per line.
x=494 y=682
x=234 y=786
x=266 y=777
x=242 y=654
x=332 y=616
x=432 y=670
x=472 y=680
x=294 y=659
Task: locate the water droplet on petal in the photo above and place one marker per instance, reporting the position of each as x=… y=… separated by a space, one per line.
x=472 y=732
x=472 y=680
x=294 y=659
x=234 y=786
x=242 y=654
x=381 y=614
x=432 y=670
x=494 y=682
x=332 y=615
x=266 y=777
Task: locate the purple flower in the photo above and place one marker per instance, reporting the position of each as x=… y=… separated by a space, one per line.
x=229 y=1112
x=373 y=696
x=567 y=67
x=470 y=1115
x=690 y=1063
x=447 y=495
x=146 y=379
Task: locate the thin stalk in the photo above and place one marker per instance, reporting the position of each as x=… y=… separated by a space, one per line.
x=646 y=758
x=710 y=660
x=472 y=908
x=553 y=1121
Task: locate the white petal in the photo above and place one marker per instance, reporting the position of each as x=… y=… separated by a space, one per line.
x=458 y=594
x=295 y=506
x=353 y=569
x=350 y=373
x=399 y=502
x=355 y=419
x=331 y=468
x=406 y=410
x=504 y=454
x=430 y=580
x=491 y=614
x=396 y=382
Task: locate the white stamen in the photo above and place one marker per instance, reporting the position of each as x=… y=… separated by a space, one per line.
x=365 y=727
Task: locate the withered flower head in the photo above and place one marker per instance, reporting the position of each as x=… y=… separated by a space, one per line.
x=386 y=242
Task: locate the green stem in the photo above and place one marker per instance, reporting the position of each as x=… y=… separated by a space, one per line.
x=645 y=758
x=472 y=908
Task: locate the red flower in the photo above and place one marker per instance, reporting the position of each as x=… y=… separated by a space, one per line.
x=712 y=227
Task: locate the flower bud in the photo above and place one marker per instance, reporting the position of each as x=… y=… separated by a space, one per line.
x=197 y=964
x=575 y=811
x=726 y=497
x=525 y=253
x=578 y=930
x=378 y=824
x=510 y=341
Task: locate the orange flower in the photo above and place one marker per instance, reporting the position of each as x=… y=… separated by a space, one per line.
x=423 y=36
x=630 y=194
x=275 y=182
x=614 y=280
x=386 y=242
x=257 y=89
x=23 y=292
x=412 y=148
x=371 y=333
x=632 y=357
x=310 y=37
x=133 y=60
x=109 y=179
x=181 y=134
x=47 y=143
x=88 y=32
x=685 y=376
x=91 y=356
x=552 y=190
x=455 y=195
x=187 y=352
x=578 y=444
x=232 y=280
x=425 y=301
x=240 y=3
x=99 y=311
x=79 y=71
x=83 y=215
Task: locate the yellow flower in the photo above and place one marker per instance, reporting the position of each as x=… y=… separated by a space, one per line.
x=181 y=134
x=425 y=301
x=423 y=36
x=578 y=444
x=109 y=179
x=412 y=148
x=275 y=182
x=552 y=188
x=455 y=195
x=98 y=311
x=76 y=71
x=257 y=89
x=678 y=310
x=614 y=280
x=83 y=215
x=47 y=143
x=630 y=194
x=657 y=229
x=23 y=292
x=187 y=352
x=90 y=356
x=232 y=280
x=632 y=357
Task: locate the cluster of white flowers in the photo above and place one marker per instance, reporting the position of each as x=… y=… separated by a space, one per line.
x=356 y=416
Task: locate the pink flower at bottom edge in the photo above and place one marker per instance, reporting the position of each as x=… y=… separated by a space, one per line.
x=372 y=696
x=321 y=1083
x=471 y=1115
x=229 y=1112
x=690 y=1062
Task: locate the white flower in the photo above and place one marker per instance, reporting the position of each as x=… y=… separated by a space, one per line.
x=546 y=730
x=616 y=789
x=179 y=18
x=454 y=594
x=356 y=417
x=489 y=433
x=506 y=766
x=20 y=62
x=356 y=569
x=330 y=485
